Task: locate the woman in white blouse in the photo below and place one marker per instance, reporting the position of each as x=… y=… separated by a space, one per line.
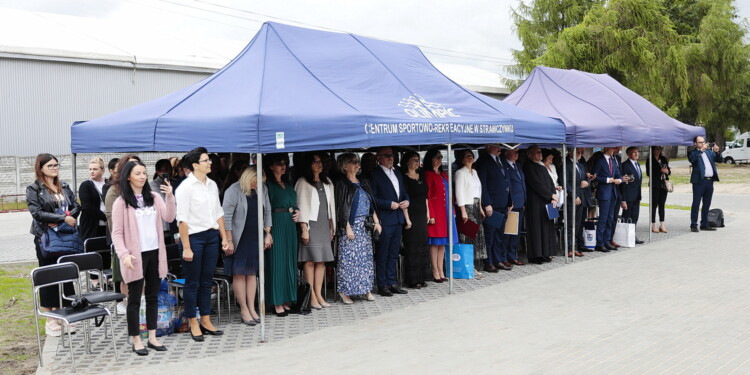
x=547 y=157
x=468 y=199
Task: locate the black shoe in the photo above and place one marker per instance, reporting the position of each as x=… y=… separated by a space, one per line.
x=158 y=348
x=490 y=268
x=547 y=259
x=437 y=280
x=414 y=286
x=198 y=338
x=638 y=242
x=585 y=249
x=708 y=228
x=423 y=284
x=205 y=330
x=141 y=351
x=537 y=260
x=694 y=229
x=503 y=267
x=609 y=247
x=601 y=249
x=385 y=292
x=281 y=314
x=395 y=289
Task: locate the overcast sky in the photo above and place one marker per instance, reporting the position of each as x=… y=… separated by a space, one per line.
x=473 y=32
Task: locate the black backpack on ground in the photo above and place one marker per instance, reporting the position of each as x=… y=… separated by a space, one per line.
x=716 y=218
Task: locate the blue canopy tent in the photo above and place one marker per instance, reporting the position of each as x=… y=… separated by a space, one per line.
x=599 y=111
x=295 y=89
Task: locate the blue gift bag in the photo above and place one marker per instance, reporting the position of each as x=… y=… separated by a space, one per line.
x=463 y=261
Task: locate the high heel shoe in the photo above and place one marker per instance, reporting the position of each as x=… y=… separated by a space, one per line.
x=281 y=314
x=437 y=280
x=141 y=351
x=198 y=338
x=205 y=330
x=250 y=322
x=158 y=348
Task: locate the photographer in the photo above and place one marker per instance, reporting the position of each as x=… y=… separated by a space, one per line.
x=703 y=161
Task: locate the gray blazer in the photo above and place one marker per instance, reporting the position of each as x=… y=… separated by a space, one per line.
x=235 y=210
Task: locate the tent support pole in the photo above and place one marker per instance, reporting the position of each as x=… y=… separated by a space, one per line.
x=261 y=240
x=449 y=203
x=650 y=190
x=75 y=173
x=573 y=196
x=565 y=208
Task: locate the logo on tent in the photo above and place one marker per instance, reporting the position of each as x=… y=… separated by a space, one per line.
x=417 y=106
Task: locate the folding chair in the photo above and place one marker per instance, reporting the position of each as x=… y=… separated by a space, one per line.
x=91 y=263
x=57 y=275
x=175 y=278
x=99 y=245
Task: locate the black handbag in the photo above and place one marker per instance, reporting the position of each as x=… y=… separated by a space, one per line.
x=302 y=305
x=370 y=227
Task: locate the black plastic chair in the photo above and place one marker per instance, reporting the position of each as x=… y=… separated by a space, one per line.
x=99 y=245
x=57 y=275
x=174 y=262
x=91 y=263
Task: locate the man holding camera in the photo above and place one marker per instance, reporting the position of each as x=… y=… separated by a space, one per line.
x=702 y=160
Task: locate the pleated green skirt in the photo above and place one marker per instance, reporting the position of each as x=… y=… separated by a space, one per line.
x=281 y=261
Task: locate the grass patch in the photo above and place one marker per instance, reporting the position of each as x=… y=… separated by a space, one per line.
x=671 y=206
x=18 y=347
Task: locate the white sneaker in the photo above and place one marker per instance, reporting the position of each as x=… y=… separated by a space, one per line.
x=122 y=308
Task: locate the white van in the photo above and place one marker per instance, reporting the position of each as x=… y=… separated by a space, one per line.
x=738 y=151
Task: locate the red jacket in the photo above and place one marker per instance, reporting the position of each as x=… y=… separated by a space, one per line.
x=436 y=203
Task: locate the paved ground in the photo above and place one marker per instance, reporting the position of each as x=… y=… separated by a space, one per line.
x=676 y=305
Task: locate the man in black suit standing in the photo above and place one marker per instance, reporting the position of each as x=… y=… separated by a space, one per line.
x=631 y=189
x=704 y=173
x=608 y=176
x=496 y=200
x=517 y=182
x=617 y=161
x=576 y=175
x=392 y=200
x=587 y=198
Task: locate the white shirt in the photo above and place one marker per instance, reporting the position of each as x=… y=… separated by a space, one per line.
x=637 y=167
x=468 y=186
x=198 y=204
x=145 y=217
x=707 y=165
x=394 y=180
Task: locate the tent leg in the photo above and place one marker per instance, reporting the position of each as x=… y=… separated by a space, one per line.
x=261 y=260
x=450 y=222
x=75 y=172
x=573 y=195
x=650 y=191
x=565 y=209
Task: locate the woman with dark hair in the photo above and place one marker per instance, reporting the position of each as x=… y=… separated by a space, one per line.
x=241 y=218
x=469 y=203
x=51 y=202
x=137 y=218
x=658 y=166
x=368 y=163
x=416 y=251
x=111 y=192
x=317 y=218
x=200 y=219
x=541 y=238
x=281 y=267
x=437 y=226
x=93 y=221
x=355 y=205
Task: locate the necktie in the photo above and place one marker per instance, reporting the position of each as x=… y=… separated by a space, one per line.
x=609 y=161
x=637 y=169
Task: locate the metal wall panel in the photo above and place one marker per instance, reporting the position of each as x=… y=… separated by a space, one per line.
x=40 y=100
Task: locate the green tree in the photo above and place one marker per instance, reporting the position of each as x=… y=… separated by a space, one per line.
x=538 y=24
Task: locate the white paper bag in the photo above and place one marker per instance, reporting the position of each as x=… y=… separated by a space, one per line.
x=624 y=234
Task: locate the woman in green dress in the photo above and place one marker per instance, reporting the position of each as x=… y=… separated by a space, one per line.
x=281 y=266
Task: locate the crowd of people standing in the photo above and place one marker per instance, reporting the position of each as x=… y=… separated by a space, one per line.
x=360 y=214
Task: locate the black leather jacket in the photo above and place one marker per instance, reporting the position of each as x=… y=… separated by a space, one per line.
x=42 y=206
x=344 y=193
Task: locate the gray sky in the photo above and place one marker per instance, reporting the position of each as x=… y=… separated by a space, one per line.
x=474 y=32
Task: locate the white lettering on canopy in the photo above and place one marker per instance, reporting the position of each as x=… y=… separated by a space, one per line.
x=416 y=128
x=416 y=106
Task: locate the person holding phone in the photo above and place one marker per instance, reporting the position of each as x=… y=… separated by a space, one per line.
x=163 y=177
x=703 y=161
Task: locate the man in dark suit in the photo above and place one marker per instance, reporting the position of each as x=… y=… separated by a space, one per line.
x=587 y=198
x=631 y=190
x=391 y=199
x=617 y=161
x=575 y=177
x=496 y=200
x=517 y=182
x=704 y=173
x=608 y=176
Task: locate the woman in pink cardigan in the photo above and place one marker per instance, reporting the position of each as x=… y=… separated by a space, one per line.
x=137 y=234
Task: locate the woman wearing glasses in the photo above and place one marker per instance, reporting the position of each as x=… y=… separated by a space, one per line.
x=468 y=201
x=317 y=218
x=354 y=205
x=281 y=266
x=436 y=180
x=51 y=202
x=201 y=222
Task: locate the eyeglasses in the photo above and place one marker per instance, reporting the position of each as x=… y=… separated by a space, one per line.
x=699 y=143
x=354 y=162
x=53 y=166
x=318 y=161
x=205 y=161
x=387 y=155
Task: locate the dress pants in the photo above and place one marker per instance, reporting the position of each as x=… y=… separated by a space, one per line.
x=150 y=264
x=493 y=237
x=574 y=230
x=703 y=190
x=199 y=273
x=631 y=214
x=606 y=218
x=511 y=242
x=386 y=257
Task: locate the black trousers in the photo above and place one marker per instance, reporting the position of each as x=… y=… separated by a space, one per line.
x=660 y=198
x=150 y=262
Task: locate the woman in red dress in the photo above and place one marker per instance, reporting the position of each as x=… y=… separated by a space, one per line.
x=437 y=227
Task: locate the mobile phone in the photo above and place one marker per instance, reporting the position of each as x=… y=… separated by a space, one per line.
x=164 y=178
